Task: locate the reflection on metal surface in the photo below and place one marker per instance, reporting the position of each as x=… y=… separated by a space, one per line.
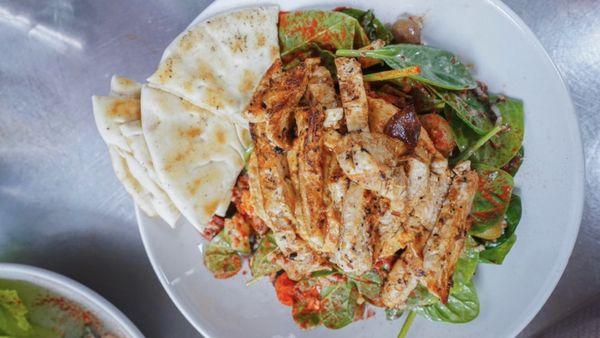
x=41 y=32
x=52 y=37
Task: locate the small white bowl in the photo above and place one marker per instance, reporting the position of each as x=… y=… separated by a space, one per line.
x=108 y=315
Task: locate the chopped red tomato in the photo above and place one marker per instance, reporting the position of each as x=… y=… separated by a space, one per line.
x=284 y=287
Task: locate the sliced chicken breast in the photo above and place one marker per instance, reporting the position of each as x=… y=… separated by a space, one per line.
x=447 y=238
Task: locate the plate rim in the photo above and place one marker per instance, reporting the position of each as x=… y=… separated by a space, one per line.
x=579 y=188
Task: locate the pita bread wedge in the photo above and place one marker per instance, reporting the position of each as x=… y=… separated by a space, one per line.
x=118 y=120
x=197 y=154
x=217 y=64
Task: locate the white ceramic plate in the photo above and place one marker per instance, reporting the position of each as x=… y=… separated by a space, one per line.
x=109 y=316
x=509 y=58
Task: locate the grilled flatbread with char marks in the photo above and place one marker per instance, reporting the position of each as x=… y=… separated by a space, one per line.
x=118 y=118
x=217 y=64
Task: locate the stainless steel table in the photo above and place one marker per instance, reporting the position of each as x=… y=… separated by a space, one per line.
x=62 y=208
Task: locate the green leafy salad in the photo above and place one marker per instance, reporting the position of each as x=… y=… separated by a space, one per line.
x=410 y=199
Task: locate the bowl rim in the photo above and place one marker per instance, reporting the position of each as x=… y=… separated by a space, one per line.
x=569 y=243
x=87 y=296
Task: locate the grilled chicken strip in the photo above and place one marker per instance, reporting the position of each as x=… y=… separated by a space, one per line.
x=336 y=186
x=270 y=187
x=257 y=110
x=320 y=91
x=277 y=193
x=380 y=112
x=447 y=238
x=310 y=160
x=372 y=160
x=402 y=279
x=279 y=90
x=352 y=92
x=354 y=253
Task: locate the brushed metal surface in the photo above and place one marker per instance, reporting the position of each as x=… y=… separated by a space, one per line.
x=62 y=208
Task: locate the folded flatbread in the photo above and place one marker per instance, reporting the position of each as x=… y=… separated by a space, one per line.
x=217 y=64
x=197 y=154
x=119 y=122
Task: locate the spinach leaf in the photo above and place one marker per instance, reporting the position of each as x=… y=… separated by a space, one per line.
x=438 y=67
x=327 y=58
x=421 y=297
x=372 y=26
x=504 y=145
x=339 y=304
x=329 y=300
x=368 y=284
x=330 y=30
x=306 y=307
x=512 y=219
x=515 y=163
x=13 y=315
x=262 y=262
x=220 y=258
x=492 y=197
x=467 y=263
x=468 y=108
x=497 y=254
x=462 y=305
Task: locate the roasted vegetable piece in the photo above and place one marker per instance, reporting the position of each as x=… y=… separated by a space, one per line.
x=440 y=132
x=285 y=288
x=404 y=125
x=408 y=30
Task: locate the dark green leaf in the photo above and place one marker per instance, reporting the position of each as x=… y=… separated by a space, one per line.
x=421 y=297
x=467 y=263
x=393 y=314
x=322 y=273
x=327 y=59
x=502 y=147
x=462 y=305
x=372 y=26
x=330 y=30
x=438 y=67
x=220 y=258
x=506 y=144
x=369 y=284
x=497 y=254
x=492 y=197
x=469 y=109
x=512 y=218
x=262 y=262
x=339 y=304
